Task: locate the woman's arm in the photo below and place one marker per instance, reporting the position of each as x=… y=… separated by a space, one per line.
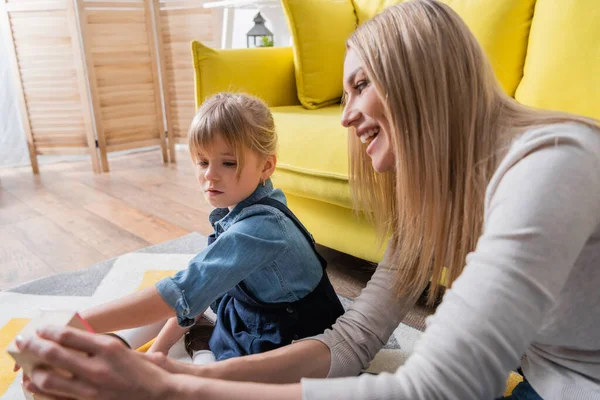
x=344 y=350
x=288 y=364
x=222 y=390
x=359 y=334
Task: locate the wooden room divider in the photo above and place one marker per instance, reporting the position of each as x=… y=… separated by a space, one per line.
x=178 y=23
x=120 y=53
x=45 y=53
x=101 y=76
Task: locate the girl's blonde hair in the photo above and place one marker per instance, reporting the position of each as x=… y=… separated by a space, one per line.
x=451 y=123
x=243 y=121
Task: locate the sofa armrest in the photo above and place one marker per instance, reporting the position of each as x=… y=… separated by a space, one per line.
x=267 y=73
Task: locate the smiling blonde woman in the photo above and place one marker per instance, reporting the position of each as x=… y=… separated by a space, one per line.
x=461 y=176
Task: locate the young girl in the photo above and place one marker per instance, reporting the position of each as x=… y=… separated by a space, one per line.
x=260 y=273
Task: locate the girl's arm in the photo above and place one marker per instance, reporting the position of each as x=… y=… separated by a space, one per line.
x=254 y=241
x=211 y=273
x=168 y=336
x=134 y=310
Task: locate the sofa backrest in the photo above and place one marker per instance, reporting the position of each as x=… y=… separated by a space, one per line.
x=319 y=31
x=545 y=53
x=500 y=26
x=562 y=67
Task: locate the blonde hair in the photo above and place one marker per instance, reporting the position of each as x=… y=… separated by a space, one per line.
x=243 y=121
x=450 y=125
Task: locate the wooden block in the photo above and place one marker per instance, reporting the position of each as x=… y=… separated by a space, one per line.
x=51 y=317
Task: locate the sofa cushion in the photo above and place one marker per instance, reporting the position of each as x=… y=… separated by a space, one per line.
x=313 y=153
x=562 y=68
x=314 y=187
x=266 y=73
x=367 y=9
x=312 y=142
x=319 y=31
x=501 y=27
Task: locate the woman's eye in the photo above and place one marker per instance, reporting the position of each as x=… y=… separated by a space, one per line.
x=360 y=86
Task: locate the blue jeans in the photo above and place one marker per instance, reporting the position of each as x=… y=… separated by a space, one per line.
x=523 y=391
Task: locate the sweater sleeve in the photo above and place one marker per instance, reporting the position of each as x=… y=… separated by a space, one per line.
x=365 y=328
x=541 y=207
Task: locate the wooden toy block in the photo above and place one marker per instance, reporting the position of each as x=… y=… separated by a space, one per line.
x=47 y=317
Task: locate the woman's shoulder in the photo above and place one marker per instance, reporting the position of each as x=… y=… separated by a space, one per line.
x=573 y=140
x=566 y=134
x=555 y=155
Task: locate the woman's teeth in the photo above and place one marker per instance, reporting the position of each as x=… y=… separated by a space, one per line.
x=365 y=137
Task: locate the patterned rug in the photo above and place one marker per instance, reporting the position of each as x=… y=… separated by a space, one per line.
x=117 y=277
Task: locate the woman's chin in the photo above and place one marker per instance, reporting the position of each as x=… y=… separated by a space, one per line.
x=380 y=166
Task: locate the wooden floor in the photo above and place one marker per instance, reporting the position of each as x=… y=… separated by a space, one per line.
x=68 y=218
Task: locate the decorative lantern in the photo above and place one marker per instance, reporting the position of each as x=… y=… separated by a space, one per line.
x=262 y=37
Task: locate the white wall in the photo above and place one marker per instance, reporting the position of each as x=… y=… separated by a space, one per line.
x=13 y=147
x=243 y=21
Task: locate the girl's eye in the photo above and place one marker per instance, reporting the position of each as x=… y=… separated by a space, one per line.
x=202 y=163
x=360 y=86
x=229 y=163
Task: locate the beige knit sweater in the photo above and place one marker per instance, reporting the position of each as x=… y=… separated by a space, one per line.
x=531 y=286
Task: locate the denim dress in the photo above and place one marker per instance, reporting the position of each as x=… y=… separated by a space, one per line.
x=261 y=274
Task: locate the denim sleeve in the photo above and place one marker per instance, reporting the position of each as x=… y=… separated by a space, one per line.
x=254 y=241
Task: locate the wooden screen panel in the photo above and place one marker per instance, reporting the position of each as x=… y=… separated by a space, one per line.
x=179 y=22
x=46 y=57
x=120 y=50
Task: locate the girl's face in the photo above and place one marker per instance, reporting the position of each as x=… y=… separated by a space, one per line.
x=365 y=112
x=216 y=171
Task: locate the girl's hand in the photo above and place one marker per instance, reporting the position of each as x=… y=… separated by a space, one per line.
x=157 y=350
x=174 y=366
x=102 y=367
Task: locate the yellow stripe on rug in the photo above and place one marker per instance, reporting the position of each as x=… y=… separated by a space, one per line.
x=150 y=278
x=7 y=333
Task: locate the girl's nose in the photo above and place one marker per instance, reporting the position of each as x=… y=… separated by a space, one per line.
x=211 y=174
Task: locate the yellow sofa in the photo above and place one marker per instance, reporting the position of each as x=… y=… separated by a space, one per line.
x=546 y=53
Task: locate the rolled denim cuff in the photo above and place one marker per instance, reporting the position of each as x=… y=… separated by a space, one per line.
x=175 y=298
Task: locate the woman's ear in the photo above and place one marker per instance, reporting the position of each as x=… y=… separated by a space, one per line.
x=269 y=166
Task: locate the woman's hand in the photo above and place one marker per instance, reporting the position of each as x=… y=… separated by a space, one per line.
x=102 y=368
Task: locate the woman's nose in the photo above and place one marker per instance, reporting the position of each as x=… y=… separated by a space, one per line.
x=349 y=115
